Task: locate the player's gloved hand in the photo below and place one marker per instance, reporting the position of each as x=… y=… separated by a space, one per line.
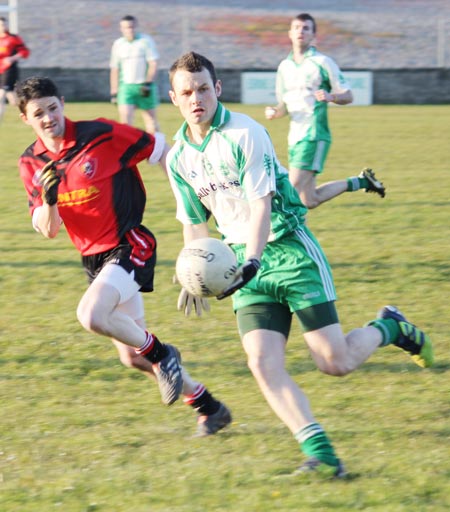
x=186 y=301
x=244 y=274
x=113 y=99
x=50 y=181
x=146 y=89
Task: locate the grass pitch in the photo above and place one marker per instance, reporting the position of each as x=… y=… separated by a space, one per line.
x=79 y=432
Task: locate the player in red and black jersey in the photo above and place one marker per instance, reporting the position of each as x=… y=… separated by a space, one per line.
x=12 y=49
x=84 y=175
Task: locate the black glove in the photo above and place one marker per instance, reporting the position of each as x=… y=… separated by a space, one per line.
x=146 y=89
x=244 y=274
x=113 y=99
x=50 y=180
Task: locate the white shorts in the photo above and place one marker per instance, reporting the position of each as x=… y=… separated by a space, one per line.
x=130 y=302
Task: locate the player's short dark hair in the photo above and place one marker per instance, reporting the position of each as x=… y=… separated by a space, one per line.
x=306 y=17
x=128 y=17
x=34 y=88
x=193 y=63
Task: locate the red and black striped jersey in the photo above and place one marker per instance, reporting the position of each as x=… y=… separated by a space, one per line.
x=101 y=195
x=11 y=44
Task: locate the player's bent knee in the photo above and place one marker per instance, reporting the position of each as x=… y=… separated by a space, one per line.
x=309 y=196
x=333 y=368
x=310 y=202
x=81 y=316
x=90 y=320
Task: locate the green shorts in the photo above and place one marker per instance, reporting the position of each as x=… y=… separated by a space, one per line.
x=130 y=94
x=309 y=155
x=294 y=272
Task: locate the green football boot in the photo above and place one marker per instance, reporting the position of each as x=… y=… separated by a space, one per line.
x=314 y=465
x=411 y=339
x=373 y=184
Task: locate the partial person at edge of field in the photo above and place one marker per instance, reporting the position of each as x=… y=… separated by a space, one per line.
x=306 y=82
x=224 y=162
x=84 y=174
x=133 y=75
x=12 y=49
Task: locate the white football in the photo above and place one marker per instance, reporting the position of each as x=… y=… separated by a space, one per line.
x=205 y=267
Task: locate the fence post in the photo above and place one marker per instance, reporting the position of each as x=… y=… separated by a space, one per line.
x=12 y=15
x=441 y=43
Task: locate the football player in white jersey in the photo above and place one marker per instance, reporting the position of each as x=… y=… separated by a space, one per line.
x=133 y=75
x=223 y=163
x=306 y=82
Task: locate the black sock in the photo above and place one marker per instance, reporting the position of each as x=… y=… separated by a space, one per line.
x=203 y=402
x=153 y=350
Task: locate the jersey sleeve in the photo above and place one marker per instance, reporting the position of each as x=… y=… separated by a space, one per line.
x=134 y=144
x=29 y=173
x=114 y=57
x=21 y=48
x=152 y=51
x=279 y=86
x=190 y=209
x=258 y=171
x=337 y=80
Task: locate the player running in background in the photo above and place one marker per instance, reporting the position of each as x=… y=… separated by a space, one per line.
x=224 y=163
x=84 y=174
x=306 y=82
x=134 y=67
x=12 y=49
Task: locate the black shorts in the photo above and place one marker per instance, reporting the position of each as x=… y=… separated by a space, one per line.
x=136 y=252
x=9 y=78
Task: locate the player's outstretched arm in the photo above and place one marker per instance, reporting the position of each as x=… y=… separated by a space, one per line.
x=275 y=112
x=260 y=210
x=245 y=273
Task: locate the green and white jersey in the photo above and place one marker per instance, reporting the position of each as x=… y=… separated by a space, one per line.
x=235 y=164
x=131 y=57
x=296 y=85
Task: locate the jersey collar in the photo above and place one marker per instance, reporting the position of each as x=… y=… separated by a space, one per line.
x=312 y=50
x=137 y=36
x=221 y=117
x=69 y=140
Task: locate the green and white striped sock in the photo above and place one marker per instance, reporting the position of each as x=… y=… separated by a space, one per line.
x=315 y=443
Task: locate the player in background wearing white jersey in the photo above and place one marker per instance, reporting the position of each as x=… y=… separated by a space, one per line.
x=134 y=67
x=306 y=82
x=224 y=163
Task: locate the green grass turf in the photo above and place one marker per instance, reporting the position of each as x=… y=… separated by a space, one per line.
x=79 y=432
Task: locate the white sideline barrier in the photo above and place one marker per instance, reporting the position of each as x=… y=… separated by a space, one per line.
x=258 y=87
